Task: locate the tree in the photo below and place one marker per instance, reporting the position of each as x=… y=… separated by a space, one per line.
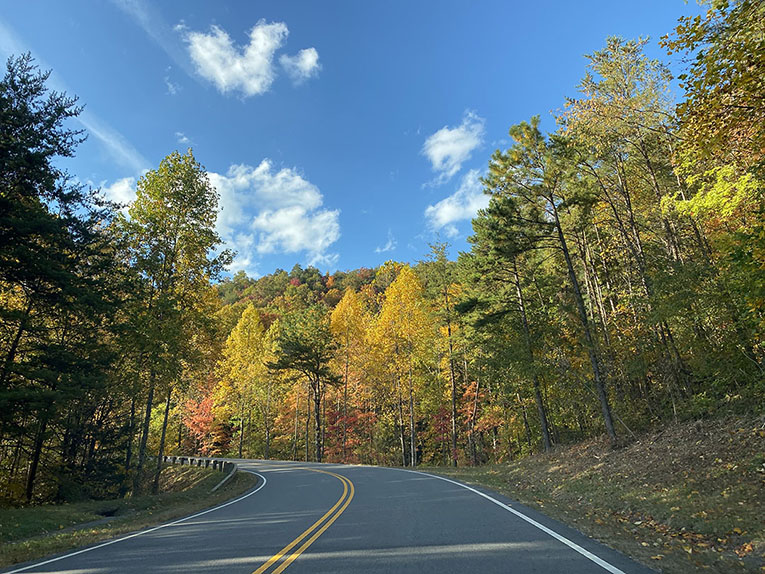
x=305 y=345
x=724 y=110
x=401 y=331
x=532 y=174
x=172 y=237
x=440 y=280
x=499 y=289
x=56 y=257
x=721 y=156
x=348 y=327
x=243 y=367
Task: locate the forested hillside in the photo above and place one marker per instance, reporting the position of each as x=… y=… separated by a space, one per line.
x=615 y=282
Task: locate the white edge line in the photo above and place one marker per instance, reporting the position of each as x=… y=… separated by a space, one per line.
x=141 y=532
x=573 y=545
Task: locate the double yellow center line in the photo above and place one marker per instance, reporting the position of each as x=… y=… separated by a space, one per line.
x=312 y=532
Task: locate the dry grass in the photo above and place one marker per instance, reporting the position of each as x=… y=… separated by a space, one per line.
x=689 y=498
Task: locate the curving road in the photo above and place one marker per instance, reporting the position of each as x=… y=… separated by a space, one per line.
x=305 y=517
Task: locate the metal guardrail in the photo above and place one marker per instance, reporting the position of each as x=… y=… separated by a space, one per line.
x=203 y=462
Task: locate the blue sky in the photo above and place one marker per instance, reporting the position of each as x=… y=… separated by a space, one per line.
x=338 y=134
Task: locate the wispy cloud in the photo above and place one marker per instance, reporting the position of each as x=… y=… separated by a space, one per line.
x=172 y=87
x=390 y=245
x=182 y=138
x=448 y=148
x=462 y=205
x=149 y=19
x=120 y=149
x=114 y=142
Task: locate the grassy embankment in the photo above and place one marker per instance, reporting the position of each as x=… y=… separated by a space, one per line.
x=688 y=498
x=35 y=531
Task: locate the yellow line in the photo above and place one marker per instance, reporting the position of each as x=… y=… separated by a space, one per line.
x=318 y=533
x=311 y=528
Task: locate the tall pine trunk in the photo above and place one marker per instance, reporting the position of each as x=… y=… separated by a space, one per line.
x=11 y=354
x=155 y=485
x=317 y=416
x=530 y=354
x=600 y=385
x=144 y=433
x=36 y=454
x=129 y=447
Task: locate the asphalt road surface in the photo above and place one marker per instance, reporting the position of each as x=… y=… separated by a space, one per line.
x=304 y=517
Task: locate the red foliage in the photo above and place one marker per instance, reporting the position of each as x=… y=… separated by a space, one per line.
x=198 y=418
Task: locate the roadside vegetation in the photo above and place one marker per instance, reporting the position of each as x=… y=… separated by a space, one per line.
x=30 y=532
x=685 y=498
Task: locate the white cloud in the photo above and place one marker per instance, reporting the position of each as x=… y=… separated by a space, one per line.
x=182 y=138
x=249 y=70
x=460 y=206
x=389 y=246
x=121 y=191
x=449 y=148
x=265 y=211
x=302 y=66
x=293 y=229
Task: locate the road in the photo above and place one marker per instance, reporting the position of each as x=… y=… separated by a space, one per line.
x=305 y=517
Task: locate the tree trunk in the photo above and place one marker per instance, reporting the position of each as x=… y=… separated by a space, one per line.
x=590 y=342
x=36 y=454
x=295 y=441
x=530 y=353
x=268 y=422
x=401 y=421
x=11 y=355
x=307 y=422
x=453 y=379
x=144 y=433
x=525 y=421
x=412 y=437
x=155 y=485
x=131 y=430
x=473 y=416
x=317 y=416
x=345 y=405
x=241 y=428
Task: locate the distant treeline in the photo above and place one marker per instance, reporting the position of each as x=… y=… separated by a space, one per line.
x=615 y=281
